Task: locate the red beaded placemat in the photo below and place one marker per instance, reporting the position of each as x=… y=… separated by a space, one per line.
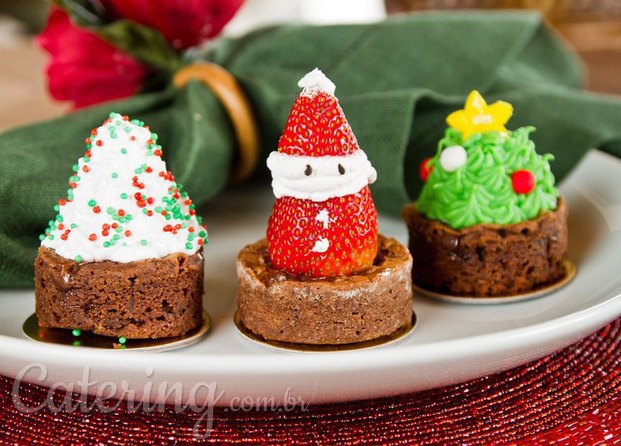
x=571 y=397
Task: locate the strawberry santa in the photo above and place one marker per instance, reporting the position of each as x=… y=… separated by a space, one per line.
x=324 y=222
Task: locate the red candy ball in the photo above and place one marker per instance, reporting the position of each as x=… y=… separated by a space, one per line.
x=425 y=169
x=523 y=181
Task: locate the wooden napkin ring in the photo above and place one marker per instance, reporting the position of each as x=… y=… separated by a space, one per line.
x=230 y=94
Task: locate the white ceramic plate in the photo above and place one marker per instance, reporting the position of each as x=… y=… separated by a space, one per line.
x=451 y=343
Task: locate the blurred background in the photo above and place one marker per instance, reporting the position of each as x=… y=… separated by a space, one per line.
x=591 y=27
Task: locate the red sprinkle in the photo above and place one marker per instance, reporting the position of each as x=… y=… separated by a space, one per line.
x=132 y=138
x=191 y=229
x=138 y=196
x=128 y=233
x=72 y=185
x=96 y=209
x=200 y=241
x=92 y=237
x=87 y=140
x=87 y=153
x=105 y=233
x=85 y=168
x=141 y=203
x=61 y=226
x=61 y=201
x=115 y=225
x=191 y=212
x=150 y=200
x=149 y=213
x=164 y=212
x=94 y=132
x=121 y=212
x=99 y=142
x=105 y=226
x=157 y=152
x=148 y=170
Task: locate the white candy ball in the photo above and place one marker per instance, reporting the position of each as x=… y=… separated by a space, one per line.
x=453 y=157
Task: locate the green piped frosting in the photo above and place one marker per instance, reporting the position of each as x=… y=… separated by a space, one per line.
x=481 y=190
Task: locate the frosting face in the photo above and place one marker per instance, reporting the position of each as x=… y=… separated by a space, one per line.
x=123 y=204
x=319 y=178
x=482 y=190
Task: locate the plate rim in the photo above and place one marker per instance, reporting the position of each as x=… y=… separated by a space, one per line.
x=293 y=361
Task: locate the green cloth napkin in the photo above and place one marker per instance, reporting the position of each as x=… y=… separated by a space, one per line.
x=396 y=82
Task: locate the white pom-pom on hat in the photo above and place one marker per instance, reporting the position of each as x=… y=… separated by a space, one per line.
x=317 y=81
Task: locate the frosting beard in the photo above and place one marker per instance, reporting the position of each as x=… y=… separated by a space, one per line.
x=319 y=178
x=123 y=204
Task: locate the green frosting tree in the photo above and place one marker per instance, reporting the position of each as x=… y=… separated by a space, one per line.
x=483 y=173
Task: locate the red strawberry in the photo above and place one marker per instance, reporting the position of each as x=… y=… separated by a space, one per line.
x=323 y=239
x=317 y=127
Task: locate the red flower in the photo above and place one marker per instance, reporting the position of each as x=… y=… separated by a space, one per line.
x=184 y=23
x=84 y=68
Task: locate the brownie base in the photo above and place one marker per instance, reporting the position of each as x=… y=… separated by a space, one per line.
x=488 y=260
x=153 y=298
x=339 y=310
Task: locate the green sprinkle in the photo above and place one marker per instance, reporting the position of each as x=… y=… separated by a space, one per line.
x=92 y=203
x=158 y=209
x=106 y=244
x=122 y=340
x=128 y=217
x=124 y=196
x=123 y=151
x=115 y=175
x=110 y=211
x=188 y=245
x=56 y=207
x=154 y=136
x=51 y=236
x=116 y=237
x=76 y=332
x=42 y=237
x=143 y=242
x=75 y=167
x=78 y=258
x=73 y=226
x=59 y=218
x=86 y=158
x=113 y=115
x=202 y=234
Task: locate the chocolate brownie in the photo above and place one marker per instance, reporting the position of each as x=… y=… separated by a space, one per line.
x=488 y=260
x=152 y=298
x=337 y=310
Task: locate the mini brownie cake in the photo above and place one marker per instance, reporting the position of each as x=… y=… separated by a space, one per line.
x=322 y=276
x=489 y=220
x=123 y=257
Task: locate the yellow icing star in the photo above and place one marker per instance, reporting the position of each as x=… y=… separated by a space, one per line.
x=478 y=117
